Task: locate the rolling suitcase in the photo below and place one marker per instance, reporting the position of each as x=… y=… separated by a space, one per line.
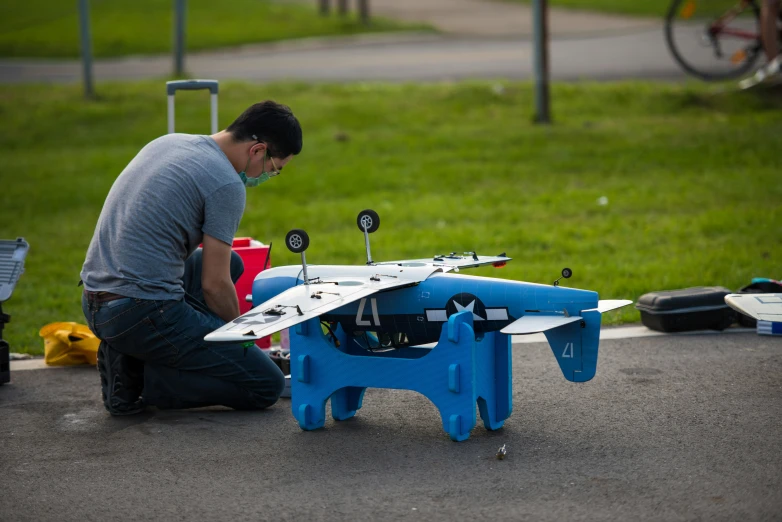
x=688 y=309
x=192 y=85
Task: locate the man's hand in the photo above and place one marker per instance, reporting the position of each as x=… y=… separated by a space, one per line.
x=219 y=290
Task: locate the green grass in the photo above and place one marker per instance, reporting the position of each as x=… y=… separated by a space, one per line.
x=50 y=28
x=691 y=176
x=637 y=8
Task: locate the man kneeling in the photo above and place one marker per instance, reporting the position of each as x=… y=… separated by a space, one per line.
x=151 y=294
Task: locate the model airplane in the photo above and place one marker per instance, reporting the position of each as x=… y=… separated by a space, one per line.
x=762 y=307
x=395 y=304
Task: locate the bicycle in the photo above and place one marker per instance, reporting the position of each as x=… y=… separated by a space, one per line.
x=714 y=39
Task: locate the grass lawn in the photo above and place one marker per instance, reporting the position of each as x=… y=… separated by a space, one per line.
x=638 y=8
x=690 y=175
x=50 y=28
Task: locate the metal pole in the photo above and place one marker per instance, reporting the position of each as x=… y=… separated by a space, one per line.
x=363 y=10
x=180 y=8
x=86 y=48
x=540 y=30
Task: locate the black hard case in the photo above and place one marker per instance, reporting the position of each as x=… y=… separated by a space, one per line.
x=688 y=309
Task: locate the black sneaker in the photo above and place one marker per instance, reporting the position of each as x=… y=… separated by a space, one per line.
x=121 y=381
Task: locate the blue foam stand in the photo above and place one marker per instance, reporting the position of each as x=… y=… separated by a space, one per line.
x=458 y=372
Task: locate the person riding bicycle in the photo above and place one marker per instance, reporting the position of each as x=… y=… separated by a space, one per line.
x=769 y=13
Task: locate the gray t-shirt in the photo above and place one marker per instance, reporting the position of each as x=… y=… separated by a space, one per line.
x=178 y=188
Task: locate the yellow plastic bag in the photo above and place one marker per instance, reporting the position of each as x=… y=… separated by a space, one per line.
x=69 y=344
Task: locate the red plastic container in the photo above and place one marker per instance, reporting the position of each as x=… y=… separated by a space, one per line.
x=254 y=255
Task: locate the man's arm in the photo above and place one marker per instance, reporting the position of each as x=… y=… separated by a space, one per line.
x=219 y=290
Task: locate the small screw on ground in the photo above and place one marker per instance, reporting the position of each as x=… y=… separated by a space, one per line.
x=502 y=452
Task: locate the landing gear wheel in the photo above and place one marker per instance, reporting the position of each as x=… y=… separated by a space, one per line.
x=297 y=240
x=368 y=218
x=566 y=273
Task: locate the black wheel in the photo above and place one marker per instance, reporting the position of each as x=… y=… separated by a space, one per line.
x=714 y=39
x=566 y=273
x=297 y=240
x=369 y=219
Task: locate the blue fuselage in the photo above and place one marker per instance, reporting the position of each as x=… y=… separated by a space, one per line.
x=416 y=314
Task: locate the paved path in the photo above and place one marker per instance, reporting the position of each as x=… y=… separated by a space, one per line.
x=483 y=39
x=489 y=18
x=671 y=428
x=422 y=57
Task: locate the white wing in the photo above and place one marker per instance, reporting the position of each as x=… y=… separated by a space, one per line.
x=452 y=261
x=763 y=307
x=538 y=323
x=303 y=302
x=607 y=305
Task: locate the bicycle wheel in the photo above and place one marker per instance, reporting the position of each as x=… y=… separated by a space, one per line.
x=714 y=39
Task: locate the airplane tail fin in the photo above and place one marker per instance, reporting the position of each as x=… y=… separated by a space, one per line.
x=573 y=339
x=575 y=346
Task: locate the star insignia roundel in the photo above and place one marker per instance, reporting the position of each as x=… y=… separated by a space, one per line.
x=465 y=302
x=482 y=317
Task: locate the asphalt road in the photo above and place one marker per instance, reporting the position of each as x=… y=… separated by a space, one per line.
x=672 y=428
x=635 y=54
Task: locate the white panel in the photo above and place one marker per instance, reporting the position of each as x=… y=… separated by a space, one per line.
x=435 y=316
x=496 y=314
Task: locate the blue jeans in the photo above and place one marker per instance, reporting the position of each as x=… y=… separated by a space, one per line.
x=181 y=370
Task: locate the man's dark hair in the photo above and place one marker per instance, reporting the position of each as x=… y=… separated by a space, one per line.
x=273 y=124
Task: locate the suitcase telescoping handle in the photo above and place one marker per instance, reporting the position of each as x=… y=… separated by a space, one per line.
x=191 y=85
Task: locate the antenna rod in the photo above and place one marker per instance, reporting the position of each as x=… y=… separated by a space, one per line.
x=268 y=253
x=304 y=267
x=366 y=241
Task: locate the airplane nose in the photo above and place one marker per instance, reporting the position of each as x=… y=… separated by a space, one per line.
x=265 y=287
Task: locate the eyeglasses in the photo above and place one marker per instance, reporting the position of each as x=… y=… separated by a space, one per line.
x=276 y=171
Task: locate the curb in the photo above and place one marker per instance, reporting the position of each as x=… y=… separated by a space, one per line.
x=606 y=334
